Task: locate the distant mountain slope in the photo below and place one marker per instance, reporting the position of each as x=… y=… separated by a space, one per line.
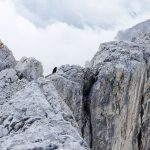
x=128 y=34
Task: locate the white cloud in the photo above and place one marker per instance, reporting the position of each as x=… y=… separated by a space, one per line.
x=54 y=45
x=101 y=13
x=71 y=32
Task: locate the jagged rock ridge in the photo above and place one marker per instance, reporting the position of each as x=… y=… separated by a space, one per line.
x=106 y=105
x=134 y=31
x=32 y=114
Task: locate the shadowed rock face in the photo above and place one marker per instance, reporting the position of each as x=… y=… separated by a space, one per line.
x=109 y=101
x=74 y=84
x=124 y=70
x=118 y=96
x=37 y=118
x=142 y=39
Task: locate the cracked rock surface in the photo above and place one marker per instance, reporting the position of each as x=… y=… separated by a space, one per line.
x=34 y=119
x=105 y=106
x=118 y=97
x=32 y=114
x=7 y=59
x=108 y=99
x=29 y=68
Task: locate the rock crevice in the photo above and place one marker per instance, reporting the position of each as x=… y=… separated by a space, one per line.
x=105 y=106
x=89 y=80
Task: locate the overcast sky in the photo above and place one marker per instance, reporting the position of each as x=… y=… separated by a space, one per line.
x=58 y=32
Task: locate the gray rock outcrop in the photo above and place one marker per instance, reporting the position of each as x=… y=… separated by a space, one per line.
x=105 y=106
x=7 y=59
x=119 y=105
x=37 y=118
x=10 y=84
x=73 y=84
x=29 y=68
x=110 y=100
x=142 y=39
x=32 y=114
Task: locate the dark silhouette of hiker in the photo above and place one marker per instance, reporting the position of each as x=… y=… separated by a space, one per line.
x=54 y=70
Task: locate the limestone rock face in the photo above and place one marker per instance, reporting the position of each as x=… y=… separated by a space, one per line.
x=7 y=59
x=117 y=100
x=142 y=39
x=37 y=118
x=32 y=114
x=69 y=83
x=73 y=84
x=106 y=104
x=29 y=68
x=10 y=84
x=109 y=100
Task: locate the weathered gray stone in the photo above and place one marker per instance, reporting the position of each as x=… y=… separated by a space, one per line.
x=29 y=68
x=107 y=99
x=32 y=114
x=34 y=119
x=69 y=83
x=117 y=98
x=142 y=39
x=109 y=102
x=10 y=84
x=7 y=59
x=73 y=84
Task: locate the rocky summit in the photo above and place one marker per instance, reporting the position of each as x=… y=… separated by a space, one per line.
x=105 y=106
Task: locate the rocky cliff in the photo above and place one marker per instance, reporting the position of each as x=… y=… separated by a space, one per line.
x=103 y=107
x=33 y=116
